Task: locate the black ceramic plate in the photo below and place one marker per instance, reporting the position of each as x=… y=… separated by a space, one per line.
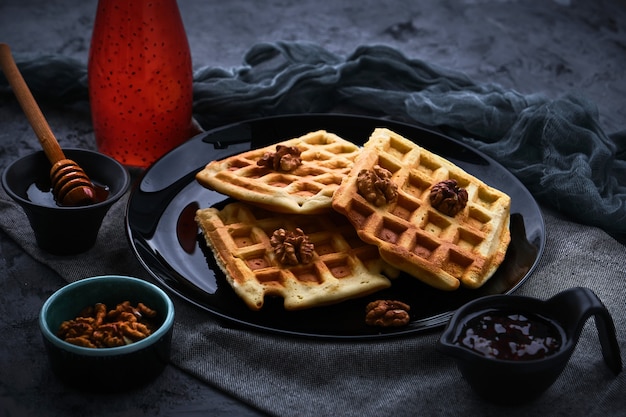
x=160 y=224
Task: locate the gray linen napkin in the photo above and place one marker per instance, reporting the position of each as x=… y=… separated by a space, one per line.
x=405 y=376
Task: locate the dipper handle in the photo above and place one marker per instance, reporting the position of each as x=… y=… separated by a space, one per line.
x=33 y=113
x=71 y=186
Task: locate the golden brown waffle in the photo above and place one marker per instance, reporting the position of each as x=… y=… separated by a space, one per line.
x=442 y=251
x=343 y=266
x=326 y=159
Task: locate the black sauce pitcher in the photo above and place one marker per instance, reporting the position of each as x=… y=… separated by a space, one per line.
x=514 y=382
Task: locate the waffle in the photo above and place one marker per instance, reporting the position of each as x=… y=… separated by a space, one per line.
x=308 y=189
x=445 y=252
x=342 y=267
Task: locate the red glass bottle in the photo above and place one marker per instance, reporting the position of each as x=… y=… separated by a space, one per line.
x=140 y=80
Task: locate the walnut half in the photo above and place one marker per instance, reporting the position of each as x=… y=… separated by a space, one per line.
x=286 y=158
x=292 y=248
x=387 y=313
x=376 y=186
x=448 y=198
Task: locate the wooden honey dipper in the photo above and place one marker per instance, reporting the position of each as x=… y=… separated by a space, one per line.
x=70 y=185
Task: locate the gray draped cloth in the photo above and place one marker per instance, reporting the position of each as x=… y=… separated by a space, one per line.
x=556 y=147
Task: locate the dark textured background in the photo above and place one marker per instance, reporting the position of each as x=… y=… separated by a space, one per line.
x=549 y=47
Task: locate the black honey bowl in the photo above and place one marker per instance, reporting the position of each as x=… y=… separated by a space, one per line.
x=64 y=230
x=507 y=381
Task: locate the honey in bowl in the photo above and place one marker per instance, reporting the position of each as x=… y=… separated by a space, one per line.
x=41 y=193
x=510 y=335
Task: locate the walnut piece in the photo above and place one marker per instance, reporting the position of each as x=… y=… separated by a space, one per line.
x=286 y=158
x=97 y=327
x=376 y=186
x=387 y=313
x=448 y=198
x=292 y=248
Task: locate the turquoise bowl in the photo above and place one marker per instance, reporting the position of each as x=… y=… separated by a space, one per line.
x=115 y=368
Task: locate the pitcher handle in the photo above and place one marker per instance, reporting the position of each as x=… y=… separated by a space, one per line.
x=578 y=304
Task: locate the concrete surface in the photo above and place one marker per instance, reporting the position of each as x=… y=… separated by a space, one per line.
x=531 y=46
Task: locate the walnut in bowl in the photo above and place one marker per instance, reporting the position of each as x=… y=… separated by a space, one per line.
x=107 y=367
